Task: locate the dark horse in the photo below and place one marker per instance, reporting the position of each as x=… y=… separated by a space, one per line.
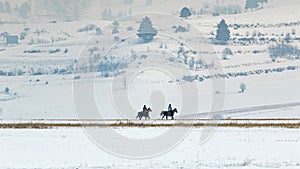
x=167 y=113
x=145 y=114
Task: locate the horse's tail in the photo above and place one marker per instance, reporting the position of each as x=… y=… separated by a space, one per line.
x=138 y=115
x=162 y=113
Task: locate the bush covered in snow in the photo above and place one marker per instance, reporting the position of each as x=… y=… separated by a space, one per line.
x=226 y=52
x=284 y=51
x=87 y=28
x=185 y=12
x=243 y=87
x=180 y=29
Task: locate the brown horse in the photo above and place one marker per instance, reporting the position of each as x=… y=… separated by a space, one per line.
x=145 y=114
x=168 y=113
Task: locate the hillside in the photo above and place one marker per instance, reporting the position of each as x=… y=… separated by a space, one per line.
x=51 y=54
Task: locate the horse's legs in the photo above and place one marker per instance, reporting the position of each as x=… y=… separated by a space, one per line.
x=172 y=117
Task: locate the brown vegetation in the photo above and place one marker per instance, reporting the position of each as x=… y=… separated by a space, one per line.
x=241 y=123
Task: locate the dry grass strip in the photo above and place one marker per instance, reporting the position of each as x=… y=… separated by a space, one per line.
x=133 y=124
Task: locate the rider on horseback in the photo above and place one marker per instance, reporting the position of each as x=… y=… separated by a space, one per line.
x=170 y=108
x=144 y=113
x=170 y=112
x=145 y=108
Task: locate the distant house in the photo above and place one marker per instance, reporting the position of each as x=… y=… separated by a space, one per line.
x=12 y=39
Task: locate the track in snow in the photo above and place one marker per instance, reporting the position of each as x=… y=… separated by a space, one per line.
x=242 y=110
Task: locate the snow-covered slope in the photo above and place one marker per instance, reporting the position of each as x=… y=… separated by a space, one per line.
x=41 y=81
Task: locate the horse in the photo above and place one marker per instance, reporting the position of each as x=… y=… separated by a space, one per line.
x=168 y=113
x=145 y=114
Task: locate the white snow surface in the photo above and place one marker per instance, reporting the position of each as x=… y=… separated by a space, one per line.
x=227 y=148
x=36 y=100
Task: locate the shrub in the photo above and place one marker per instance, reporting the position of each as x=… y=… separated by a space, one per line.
x=185 y=12
x=76 y=77
x=129 y=28
x=243 y=87
x=6 y=90
x=180 y=29
x=115 y=30
x=283 y=50
x=226 y=52
x=51 y=51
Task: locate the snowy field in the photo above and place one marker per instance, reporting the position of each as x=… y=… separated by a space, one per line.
x=266 y=97
x=259 y=148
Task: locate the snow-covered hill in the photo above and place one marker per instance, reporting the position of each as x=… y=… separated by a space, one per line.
x=39 y=70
